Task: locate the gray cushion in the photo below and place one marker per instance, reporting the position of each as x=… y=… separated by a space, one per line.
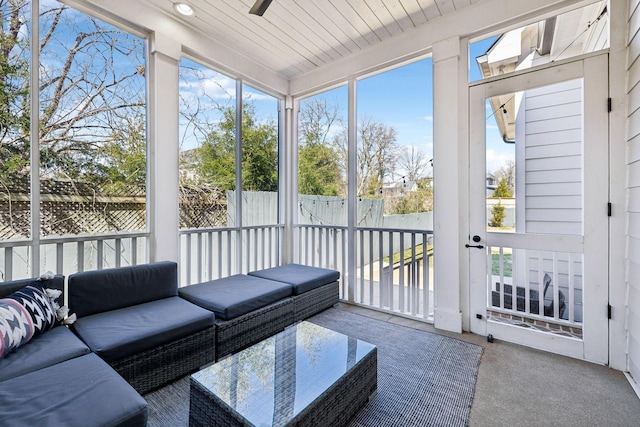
x=303 y=278
x=234 y=296
x=120 y=333
x=82 y=392
x=11 y=286
x=96 y=291
x=54 y=346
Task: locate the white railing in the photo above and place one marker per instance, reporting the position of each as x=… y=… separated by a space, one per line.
x=393 y=266
x=71 y=254
x=556 y=275
x=394 y=269
x=212 y=253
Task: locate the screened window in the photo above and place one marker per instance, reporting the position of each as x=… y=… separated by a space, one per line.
x=322 y=158
x=207 y=146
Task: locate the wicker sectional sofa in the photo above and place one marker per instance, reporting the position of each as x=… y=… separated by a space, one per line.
x=136 y=331
x=53 y=379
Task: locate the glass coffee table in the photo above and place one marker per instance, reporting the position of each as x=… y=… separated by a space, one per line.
x=305 y=375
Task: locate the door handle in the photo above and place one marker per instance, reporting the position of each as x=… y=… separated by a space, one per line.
x=473 y=246
x=476 y=239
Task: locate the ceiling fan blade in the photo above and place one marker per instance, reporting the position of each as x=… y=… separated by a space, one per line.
x=260 y=7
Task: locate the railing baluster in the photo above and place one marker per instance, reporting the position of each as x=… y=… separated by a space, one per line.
x=60 y=258
x=117 y=252
x=134 y=251
x=571 y=302
x=209 y=255
x=361 y=266
x=401 y=301
x=391 y=284
x=8 y=264
x=188 y=248
x=381 y=276
x=80 y=255
x=343 y=266
x=426 y=282
x=413 y=279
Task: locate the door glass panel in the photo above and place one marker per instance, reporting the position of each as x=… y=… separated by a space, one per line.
x=534 y=160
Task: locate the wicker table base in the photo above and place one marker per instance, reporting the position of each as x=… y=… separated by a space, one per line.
x=306 y=375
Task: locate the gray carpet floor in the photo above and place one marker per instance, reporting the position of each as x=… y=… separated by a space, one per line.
x=424 y=379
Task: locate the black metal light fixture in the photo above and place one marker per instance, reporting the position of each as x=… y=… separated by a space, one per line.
x=260 y=7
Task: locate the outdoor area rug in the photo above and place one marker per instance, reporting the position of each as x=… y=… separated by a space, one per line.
x=424 y=379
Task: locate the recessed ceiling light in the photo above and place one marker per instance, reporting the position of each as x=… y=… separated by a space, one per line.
x=183 y=9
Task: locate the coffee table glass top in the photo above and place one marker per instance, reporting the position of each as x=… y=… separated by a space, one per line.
x=272 y=381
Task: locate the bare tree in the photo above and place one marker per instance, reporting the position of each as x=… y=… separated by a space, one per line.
x=92 y=80
x=413 y=162
x=317 y=120
x=377 y=148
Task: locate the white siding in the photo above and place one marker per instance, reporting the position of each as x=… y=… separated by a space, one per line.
x=633 y=186
x=553 y=158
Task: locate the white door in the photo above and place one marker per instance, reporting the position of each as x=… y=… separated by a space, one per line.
x=539 y=259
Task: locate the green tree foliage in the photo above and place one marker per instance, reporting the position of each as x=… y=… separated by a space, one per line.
x=319 y=169
x=502 y=190
x=417 y=201
x=497 y=212
x=124 y=159
x=497 y=215
x=259 y=153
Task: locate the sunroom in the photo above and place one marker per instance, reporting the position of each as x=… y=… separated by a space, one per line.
x=466 y=163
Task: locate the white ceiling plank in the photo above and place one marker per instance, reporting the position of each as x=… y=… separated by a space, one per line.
x=414 y=10
x=332 y=21
x=445 y=6
x=400 y=15
x=384 y=16
x=362 y=9
x=459 y=4
x=356 y=21
x=430 y=9
x=301 y=25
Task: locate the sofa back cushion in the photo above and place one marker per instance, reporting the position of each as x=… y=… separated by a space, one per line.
x=57 y=282
x=92 y=292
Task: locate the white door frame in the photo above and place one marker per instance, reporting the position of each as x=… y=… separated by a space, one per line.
x=594 y=242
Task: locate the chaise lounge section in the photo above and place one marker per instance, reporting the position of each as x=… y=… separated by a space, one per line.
x=250 y=308
x=313 y=288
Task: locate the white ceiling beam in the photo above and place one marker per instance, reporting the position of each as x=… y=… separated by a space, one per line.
x=481 y=17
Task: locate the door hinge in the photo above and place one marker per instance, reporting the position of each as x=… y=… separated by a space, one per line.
x=609 y=310
x=609 y=208
x=609 y=105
